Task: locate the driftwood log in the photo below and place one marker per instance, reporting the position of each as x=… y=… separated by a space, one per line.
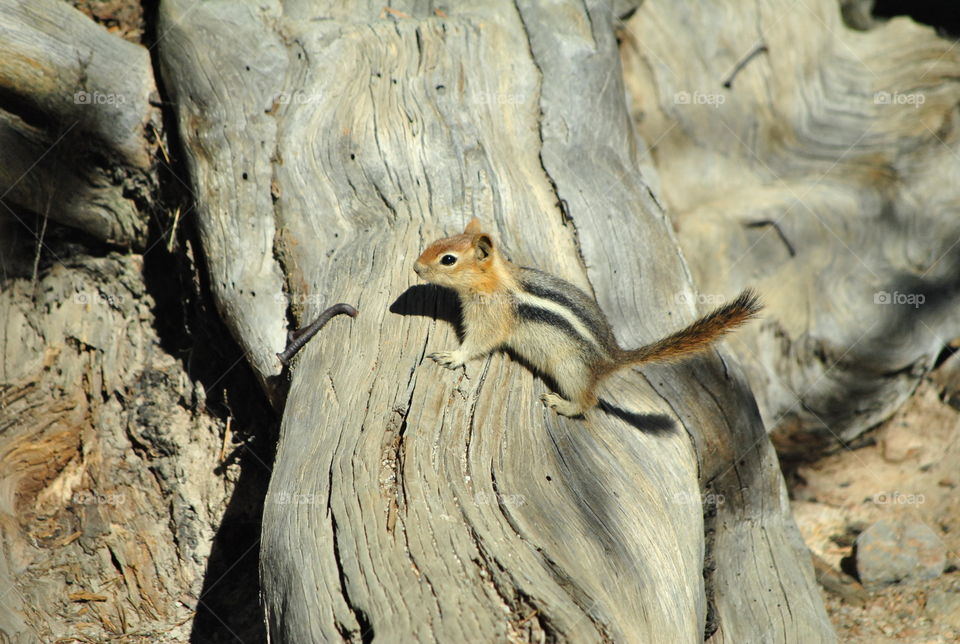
x=408 y=502
x=819 y=164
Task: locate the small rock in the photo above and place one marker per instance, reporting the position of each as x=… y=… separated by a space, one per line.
x=944 y=607
x=899 y=443
x=895 y=550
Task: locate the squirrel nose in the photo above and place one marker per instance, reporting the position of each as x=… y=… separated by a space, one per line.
x=418 y=268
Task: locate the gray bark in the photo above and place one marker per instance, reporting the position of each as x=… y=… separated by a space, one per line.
x=825 y=176
x=112 y=483
x=75 y=120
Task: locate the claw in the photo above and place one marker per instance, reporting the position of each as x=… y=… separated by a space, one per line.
x=448 y=359
x=561 y=405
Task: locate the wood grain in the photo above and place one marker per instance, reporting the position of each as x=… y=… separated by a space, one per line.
x=411 y=502
x=76 y=121
x=823 y=175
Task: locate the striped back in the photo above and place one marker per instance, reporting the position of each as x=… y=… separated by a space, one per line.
x=550 y=300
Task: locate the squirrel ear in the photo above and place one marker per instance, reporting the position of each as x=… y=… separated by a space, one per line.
x=484 y=246
x=473 y=228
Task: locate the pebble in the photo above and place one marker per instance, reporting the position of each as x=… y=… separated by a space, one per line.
x=944 y=607
x=895 y=550
x=900 y=442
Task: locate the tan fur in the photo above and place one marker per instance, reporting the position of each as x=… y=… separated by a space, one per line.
x=696 y=337
x=492 y=292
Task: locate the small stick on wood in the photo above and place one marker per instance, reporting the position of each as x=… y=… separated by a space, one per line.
x=300 y=337
x=173 y=230
x=759 y=49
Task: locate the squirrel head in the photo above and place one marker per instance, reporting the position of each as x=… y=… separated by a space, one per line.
x=466 y=263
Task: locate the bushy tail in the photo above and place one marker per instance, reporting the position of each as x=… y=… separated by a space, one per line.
x=698 y=336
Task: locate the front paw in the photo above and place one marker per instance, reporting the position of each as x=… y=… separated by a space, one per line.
x=449 y=359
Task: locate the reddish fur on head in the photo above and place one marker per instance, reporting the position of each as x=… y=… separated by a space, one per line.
x=476 y=266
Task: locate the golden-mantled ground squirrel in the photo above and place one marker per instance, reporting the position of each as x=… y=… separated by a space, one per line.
x=549 y=322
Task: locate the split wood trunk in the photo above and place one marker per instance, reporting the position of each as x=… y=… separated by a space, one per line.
x=661 y=157
x=411 y=502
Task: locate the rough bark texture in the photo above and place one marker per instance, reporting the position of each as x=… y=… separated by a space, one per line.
x=407 y=501
x=819 y=164
x=116 y=467
x=127 y=511
x=108 y=508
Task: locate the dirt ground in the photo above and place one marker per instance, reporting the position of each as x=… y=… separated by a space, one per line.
x=910 y=466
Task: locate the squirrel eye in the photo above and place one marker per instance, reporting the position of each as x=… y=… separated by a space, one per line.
x=448 y=260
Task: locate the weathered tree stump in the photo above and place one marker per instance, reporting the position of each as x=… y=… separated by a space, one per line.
x=409 y=502
x=326 y=146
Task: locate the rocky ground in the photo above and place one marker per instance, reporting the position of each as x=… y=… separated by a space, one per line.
x=905 y=475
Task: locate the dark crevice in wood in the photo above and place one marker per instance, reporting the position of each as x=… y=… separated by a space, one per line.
x=710 y=501
x=472 y=424
x=561 y=204
x=508 y=591
x=400 y=491
x=944 y=355
x=23 y=108
x=576 y=594
x=59 y=245
x=941 y=14
x=776 y=226
x=363 y=621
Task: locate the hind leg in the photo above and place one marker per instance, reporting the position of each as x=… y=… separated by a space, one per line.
x=580 y=391
x=563 y=406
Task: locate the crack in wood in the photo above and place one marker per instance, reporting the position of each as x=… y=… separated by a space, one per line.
x=366 y=632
